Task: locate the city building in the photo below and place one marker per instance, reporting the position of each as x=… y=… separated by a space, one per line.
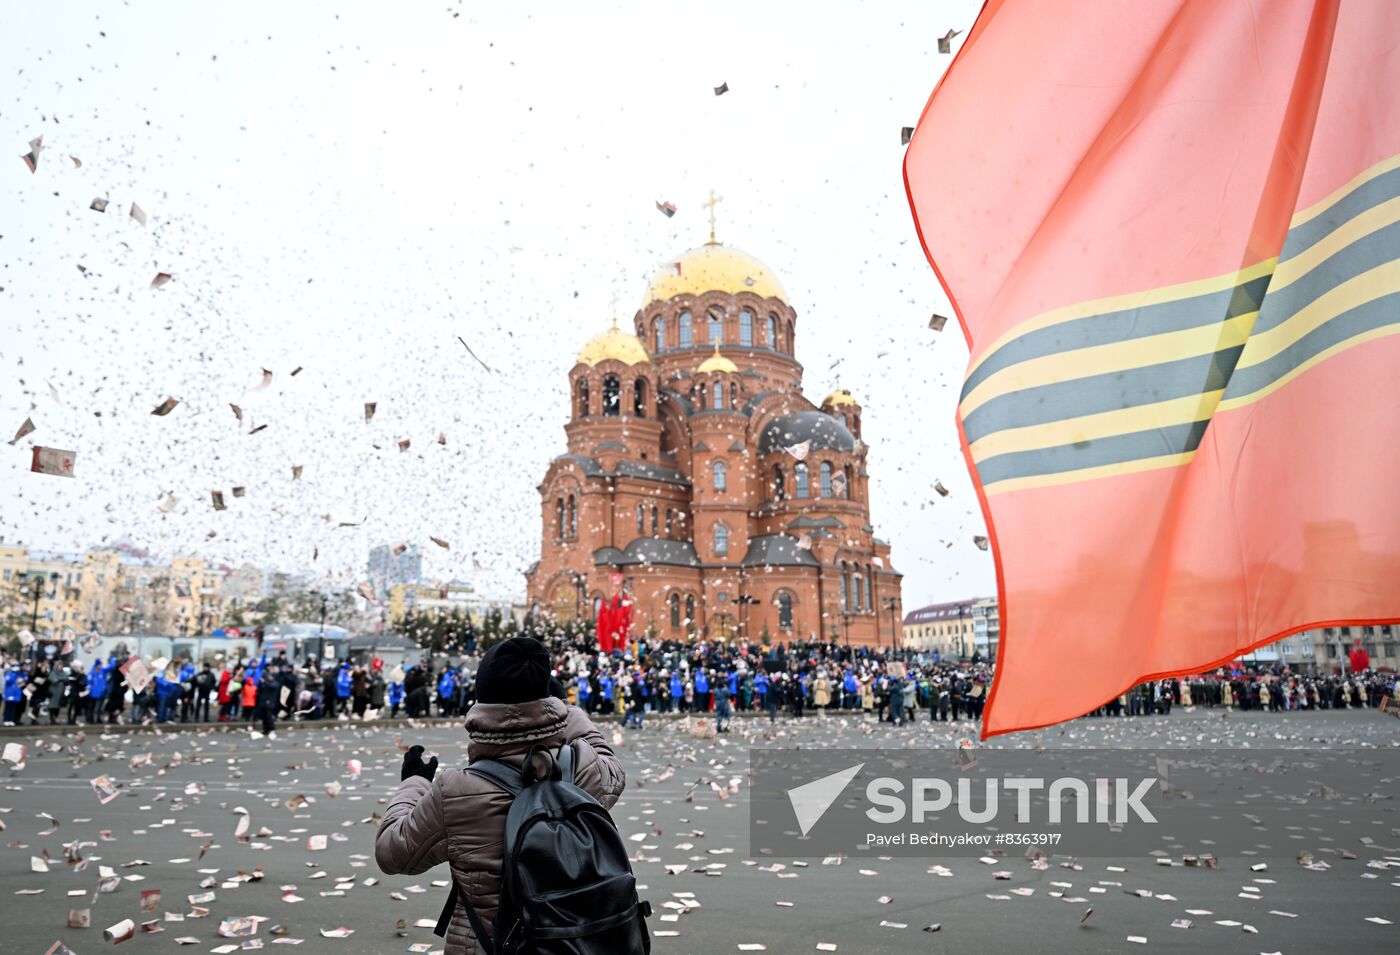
x=440 y=600
x=700 y=476
x=1326 y=649
x=387 y=568
x=956 y=630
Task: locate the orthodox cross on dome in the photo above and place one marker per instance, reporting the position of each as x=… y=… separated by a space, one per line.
x=614 y=311
x=710 y=204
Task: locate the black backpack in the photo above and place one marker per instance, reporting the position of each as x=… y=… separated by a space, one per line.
x=566 y=883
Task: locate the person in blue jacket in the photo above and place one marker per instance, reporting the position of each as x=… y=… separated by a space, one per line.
x=167 y=692
x=760 y=689
x=607 y=683
x=850 y=691
x=585 y=689
x=395 y=697
x=97 y=691
x=447 y=692
x=702 y=690
x=342 y=689
x=677 y=692
x=15 y=679
x=187 y=672
x=733 y=681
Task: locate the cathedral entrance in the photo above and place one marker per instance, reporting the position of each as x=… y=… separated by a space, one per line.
x=563 y=601
x=722 y=627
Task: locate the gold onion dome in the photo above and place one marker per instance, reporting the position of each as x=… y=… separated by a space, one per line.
x=717 y=362
x=615 y=344
x=713 y=268
x=838 y=397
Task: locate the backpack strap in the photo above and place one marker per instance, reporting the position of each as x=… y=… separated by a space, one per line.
x=567 y=760
x=503 y=776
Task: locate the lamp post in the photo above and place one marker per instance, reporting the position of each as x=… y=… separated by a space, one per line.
x=891 y=604
x=745 y=601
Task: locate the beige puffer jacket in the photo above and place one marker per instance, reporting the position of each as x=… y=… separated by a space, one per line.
x=460 y=818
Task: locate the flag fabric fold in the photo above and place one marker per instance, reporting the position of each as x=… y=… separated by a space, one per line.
x=1171 y=234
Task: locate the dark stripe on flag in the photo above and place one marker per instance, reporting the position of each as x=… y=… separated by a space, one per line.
x=1375 y=314
x=1370 y=193
x=1118 y=449
x=1366 y=253
x=1120 y=326
x=1106 y=392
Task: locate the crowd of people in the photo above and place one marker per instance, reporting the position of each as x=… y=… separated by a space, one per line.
x=712 y=680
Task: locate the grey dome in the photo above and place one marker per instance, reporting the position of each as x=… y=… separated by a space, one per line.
x=825 y=432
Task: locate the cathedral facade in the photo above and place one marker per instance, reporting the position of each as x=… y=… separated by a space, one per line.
x=701 y=481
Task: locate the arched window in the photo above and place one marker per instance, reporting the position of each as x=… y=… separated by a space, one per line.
x=869 y=588
x=655 y=521
x=721 y=475
x=685 y=330
x=849 y=482
x=659 y=327
x=800 y=472
x=573 y=519
x=785 y=610
x=583 y=397
x=845 y=587
x=826 y=478
x=773 y=332
x=721 y=540
x=789 y=338
x=641 y=519
x=715 y=322
x=639 y=398
x=856 y=590
x=675 y=611
x=746 y=328
x=612 y=396
x=670 y=522
x=717 y=395
x=689 y=609
x=734 y=395
x=559 y=518
x=779 y=489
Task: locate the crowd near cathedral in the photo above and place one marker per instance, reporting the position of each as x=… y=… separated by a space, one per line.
x=702 y=483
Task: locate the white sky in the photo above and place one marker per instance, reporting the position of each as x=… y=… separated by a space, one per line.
x=349 y=186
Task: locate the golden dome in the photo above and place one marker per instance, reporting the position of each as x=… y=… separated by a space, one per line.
x=713 y=268
x=838 y=397
x=616 y=344
x=717 y=362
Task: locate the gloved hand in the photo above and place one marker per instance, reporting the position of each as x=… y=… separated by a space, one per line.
x=413 y=765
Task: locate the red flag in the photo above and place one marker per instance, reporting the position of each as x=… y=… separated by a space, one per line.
x=605 y=626
x=1171 y=232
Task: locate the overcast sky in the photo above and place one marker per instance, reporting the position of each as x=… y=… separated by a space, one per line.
x=348 y=187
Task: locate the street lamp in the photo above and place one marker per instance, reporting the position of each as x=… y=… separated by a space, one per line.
x=891 y=603
x=578 y=594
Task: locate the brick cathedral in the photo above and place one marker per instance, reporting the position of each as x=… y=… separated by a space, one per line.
x=698 y=473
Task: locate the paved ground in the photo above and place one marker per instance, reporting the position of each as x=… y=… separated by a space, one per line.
x=186 y=797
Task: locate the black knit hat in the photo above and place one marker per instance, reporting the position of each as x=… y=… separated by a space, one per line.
x=516 y=671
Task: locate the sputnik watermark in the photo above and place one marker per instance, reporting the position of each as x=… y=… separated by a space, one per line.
x=1115 y=801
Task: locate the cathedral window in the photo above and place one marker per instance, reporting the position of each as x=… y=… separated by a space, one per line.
x=639 y=397
x=670 y=523
x=779 y=489
x=641 y=519
x=717 y=395
x=800 y=473
x=559 y=518
x=773 y=332
x=785 y=610
x=869 y=589
x=612 y=396
x=746 y=328
x=721 y=474
x=845 y=587
x=660 y=333
x=715 y=323
x=733 y=395
x=789 y=338
x=583 y=398
x=721 y=540
x=826 y=478
x=655 y=521
x=573 y=519
x=856 y=589
x=685 y=326
x=849 y=482
x=675 y=611
x=689 y=609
